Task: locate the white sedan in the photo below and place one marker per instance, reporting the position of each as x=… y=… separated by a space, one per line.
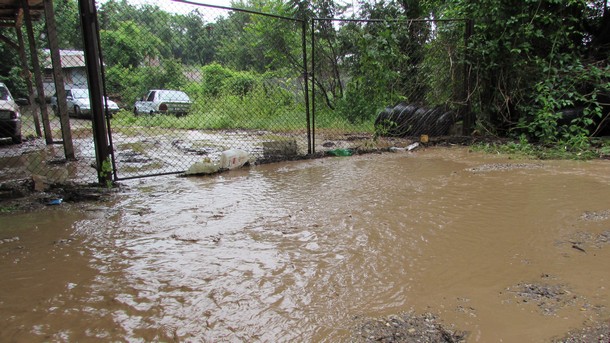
x=79 y=105
x=165 y=101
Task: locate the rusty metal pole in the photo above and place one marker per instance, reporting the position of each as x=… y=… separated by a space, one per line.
x=312 y=76
x=88 y=16
x=62 y=105
x=306 y=83
x=48 y=134
x=27 y=76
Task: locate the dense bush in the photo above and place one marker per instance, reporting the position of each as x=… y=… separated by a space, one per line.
x=534 y=61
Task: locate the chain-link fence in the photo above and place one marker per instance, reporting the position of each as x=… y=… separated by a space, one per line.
x=44 y=141
x=185 y=82
x=400 y=78
x=195 y=81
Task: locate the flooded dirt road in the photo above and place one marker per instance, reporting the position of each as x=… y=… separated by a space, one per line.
x=507 y=250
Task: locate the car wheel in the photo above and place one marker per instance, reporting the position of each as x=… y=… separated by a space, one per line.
x=16 y=139
x=77 y=112
x=135 y=111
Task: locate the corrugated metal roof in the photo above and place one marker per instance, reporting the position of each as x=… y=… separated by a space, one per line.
x=69 y=59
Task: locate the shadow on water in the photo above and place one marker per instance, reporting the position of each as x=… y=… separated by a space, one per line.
x=295 y=251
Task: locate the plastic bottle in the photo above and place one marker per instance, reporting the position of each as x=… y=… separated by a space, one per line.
x=233 y=158
x=340 y=152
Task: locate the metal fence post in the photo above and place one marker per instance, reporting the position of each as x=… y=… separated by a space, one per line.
x=88 y=16
x=469 y=117
x=313 y=87
x=306 y=83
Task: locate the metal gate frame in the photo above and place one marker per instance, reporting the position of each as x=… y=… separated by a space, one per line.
x=106 y=162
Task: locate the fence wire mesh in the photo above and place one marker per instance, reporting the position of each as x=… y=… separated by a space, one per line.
x=185 y=82
x=400 y=78
x=196 y=81
x=44 y=141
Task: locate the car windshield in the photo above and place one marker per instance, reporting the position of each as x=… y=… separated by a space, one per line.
x=4 y=94
x=173 y=96
x=80 y=93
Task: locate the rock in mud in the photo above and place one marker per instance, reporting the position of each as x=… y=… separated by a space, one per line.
x=407 y=327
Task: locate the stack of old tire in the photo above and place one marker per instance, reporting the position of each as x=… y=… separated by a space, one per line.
x=412 y=120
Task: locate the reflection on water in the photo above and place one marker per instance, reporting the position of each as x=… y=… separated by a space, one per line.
x=296 y=251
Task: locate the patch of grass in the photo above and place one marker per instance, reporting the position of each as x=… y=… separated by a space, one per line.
x=525 y=149
x=8 y=209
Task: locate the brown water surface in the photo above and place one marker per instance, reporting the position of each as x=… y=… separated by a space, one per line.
x=301 y=251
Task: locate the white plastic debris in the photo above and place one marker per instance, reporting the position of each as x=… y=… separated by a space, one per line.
x=204 y=167
x=413 y=146
x=234 y=158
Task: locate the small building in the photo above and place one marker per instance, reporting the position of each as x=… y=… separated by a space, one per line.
x=73 y=68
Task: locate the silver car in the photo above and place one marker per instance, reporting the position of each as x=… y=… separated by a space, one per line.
x=165 y=101
x=79 y=105
x=10 y=116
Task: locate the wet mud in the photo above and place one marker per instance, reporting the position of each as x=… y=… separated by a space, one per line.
x=439 y=245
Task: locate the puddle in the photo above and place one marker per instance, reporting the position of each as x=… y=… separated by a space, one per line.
x=302 y=251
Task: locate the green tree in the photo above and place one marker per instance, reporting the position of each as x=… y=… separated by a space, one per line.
x=129 y=45
x=68 y=25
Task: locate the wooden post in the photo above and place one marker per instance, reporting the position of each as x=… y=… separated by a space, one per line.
x=60 y=90
x=28 y=79
x=48 y=134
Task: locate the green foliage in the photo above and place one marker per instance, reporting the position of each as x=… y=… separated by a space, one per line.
x=241 y=100
x=529 y=60
x=360 y=103
x=68 y=24
x=217 y=80
x=126 y=84
x=240 y=83
x=533 y=60
x=106 y=172
x=15 y=82
x=213 y=77
x=383 y=128
x=129 y=45
x=570 y=84
x=524 y=149
x=8 y=209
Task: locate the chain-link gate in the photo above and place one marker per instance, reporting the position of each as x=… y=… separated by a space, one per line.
x=199 y=80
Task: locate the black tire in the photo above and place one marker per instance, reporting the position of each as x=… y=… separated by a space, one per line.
x=402 y=121
x=444 y=123
x=77 y=112
x=16 y=139
x=135 y=111
x=415 y=122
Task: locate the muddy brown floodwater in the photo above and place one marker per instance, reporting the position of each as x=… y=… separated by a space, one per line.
x=506 y=250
